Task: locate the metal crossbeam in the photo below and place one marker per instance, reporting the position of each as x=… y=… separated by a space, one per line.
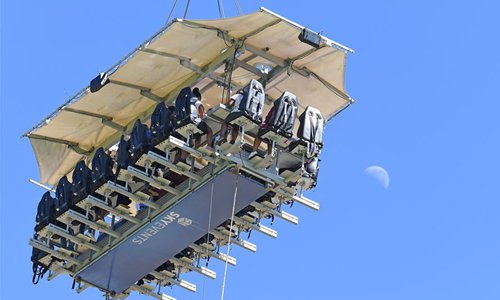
x=248 y=67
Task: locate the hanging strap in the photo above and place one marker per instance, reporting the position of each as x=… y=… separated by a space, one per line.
x=39 y=270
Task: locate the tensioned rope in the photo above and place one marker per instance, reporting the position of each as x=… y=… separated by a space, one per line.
x=209 y=224
x=221 y=9
x=171 y=12
x=229 y=237
x=186 y=11
x=237 y=7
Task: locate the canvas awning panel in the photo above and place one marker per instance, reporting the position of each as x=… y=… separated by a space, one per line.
x=190 y=53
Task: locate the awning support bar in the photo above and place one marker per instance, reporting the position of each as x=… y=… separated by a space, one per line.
x=108 y=121
x=72 y=145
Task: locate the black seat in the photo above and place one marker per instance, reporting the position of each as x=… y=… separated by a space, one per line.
x=123 y=154
x=64 y=195
x=139 y=141
x=166 y=266
x=81 y=181
x=183 y=107
x=102 y=169
x=45 y=212
x=161 y=123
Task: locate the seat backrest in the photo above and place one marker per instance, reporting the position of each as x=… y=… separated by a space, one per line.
x=63 y=195
x=311 y=166
x=81 y=177
x=311 y=126
x=46 y=209
x=252 y=102
x=161 y=122
x=183 y=105
x=166 y=266
x=284 y=113
x=102 y=167
x=138 y=138
x=123 y=154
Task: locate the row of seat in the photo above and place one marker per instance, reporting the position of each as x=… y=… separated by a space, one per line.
x=86 y=181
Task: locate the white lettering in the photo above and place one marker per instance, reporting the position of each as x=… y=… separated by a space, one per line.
x=155 y=228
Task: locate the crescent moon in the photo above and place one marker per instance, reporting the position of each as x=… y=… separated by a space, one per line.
x=379 y=174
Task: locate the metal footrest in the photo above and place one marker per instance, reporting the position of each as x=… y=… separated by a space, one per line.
x=228 y=148
x=280 y=214
x=220 y=256
x=242 y=243
x=280 y=140
x=91 y=201
x=41 y=246
x=292 y=176
x=260 y=162
x=114 y=187
x=244 y=121
x=299 y=149
x=75 y=239
x=165 y=162
x=72 y=215
x=148 y=291
x=188 y=130
x=201 y=270
x=179 y=282
x=173 y=142
x=56 y=270
x=219 y=112
x=306 y=183
x=258 y=227
x=152 y=181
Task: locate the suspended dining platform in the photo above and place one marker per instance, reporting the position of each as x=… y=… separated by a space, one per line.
x=181 y=211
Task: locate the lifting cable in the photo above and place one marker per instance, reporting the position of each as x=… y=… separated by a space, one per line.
x=171 y=12
x=237 y=7
x=186 y=11
x=221 y=9
x=229 y=236
x=209 y=225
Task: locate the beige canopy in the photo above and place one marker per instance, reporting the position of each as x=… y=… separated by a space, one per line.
x=191 y=53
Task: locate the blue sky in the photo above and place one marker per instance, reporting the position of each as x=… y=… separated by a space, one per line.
x=425 y=76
